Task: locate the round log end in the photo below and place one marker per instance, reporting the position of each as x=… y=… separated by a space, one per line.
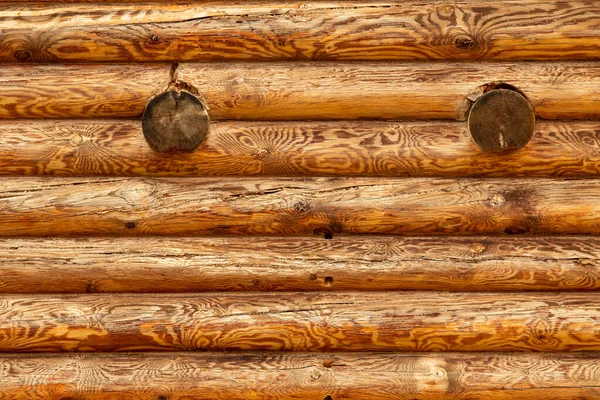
x=175 y=120
x=501 y=120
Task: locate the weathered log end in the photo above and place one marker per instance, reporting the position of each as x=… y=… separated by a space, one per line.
x=175 y=120
x=501 y=120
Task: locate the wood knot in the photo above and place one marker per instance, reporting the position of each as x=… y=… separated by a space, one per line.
x=22 y=55
x=261 y=154
x=477 y=248
x=301 y=207
x=497 y=200
x=315 y=375
x=154 y=39
x=501 y=120
x=464 y=43
x=175 y=120
x=328 y=363
x=130 y=225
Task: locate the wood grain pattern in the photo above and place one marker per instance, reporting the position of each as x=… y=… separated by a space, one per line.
x=79 y=91
x=343 y=321
x=305 y=90
x=366 y=148
x=315 y=30
x=96 y=265
x=298 y=91
x=305 y=206
x=234 y=376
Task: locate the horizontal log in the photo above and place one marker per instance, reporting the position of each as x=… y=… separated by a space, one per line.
x=303 y=90
x=298 y=264
x=343 y=321
x=364 y=148
x=32 y=206
x=316 y=30
x=376 y=376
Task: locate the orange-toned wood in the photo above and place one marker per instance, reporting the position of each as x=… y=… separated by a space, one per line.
x=244 y=376
x=366 y=148
x=344 y=321
x=297 y=206
x=297 y=91
x=312 y=30
x=298 y=264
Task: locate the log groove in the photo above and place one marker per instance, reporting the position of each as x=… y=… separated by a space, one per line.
x=316 y=30
x=209 y=376
x=95 y=265
x=32 y=206
x=298 y=91
x=366 y=148
x=343 y=321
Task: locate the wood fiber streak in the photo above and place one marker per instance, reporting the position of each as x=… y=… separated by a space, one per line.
x=79 y=91
x=116 y=148
x=298 y=264
x=307 y=321
x=315 y=30
x=31 y=206
x=305 y=90
x=298 y=91
x=233 y=376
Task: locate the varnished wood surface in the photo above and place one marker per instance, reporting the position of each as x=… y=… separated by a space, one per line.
x=297 y=206
x=293 y=91
x=311 y=321
x=251 y=376
x=313 y=30
x=154 y=264
x=74 y=91
x=366 y=148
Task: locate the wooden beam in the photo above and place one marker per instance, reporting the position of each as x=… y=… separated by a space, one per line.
x=315 y=30
x=208 y=376
x=298 y=264
x=33 y=206
x=306 y=321
x=366 y=148
x=298 y=91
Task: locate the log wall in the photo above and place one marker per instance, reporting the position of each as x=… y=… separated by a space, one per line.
x=338 y=234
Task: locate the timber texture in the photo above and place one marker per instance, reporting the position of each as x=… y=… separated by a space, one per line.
x=313 y=30
x=344 y=263
x=298 y=91
x=322 y=200
x=378 y=376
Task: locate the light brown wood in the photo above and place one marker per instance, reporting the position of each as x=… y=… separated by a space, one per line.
x=313 y=30
x=303 y=206
x=292 y=91
x=343 y=321
x=365 y=148
x=74 y=91
x=298 y=264
x=251 y=376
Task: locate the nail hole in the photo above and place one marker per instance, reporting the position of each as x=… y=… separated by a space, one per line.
x=541 y=337
x=154 y=39
x=328 y=363
x=162 y=397
x=328 y=235
x=328 y=281
x=130 y=225
x=328 y=397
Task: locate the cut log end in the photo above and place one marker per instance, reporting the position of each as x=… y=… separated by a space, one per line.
x=175 y=120
x=501 y=120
